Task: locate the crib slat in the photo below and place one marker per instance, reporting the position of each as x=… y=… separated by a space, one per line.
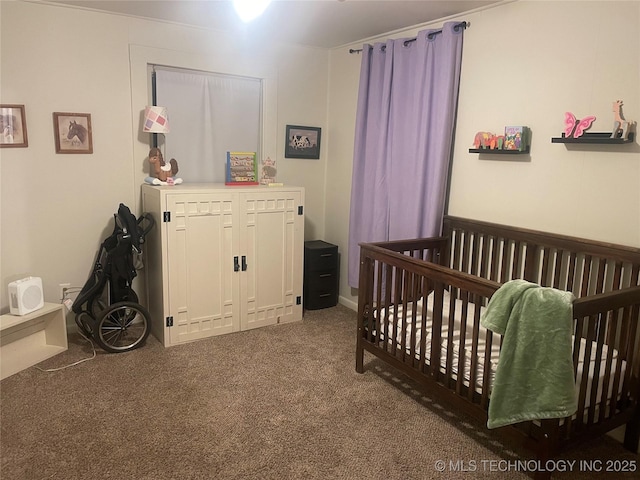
x=600 y=329
x=423 y=335
x=450 y=330
x=582 y=396
x=617 y=276
x=630 y=321
x=404 y=281
x=571 y=271
x=602 y=267
x=517 y=261
x=484 y=258
x=486 y=374
x=368 y=287
x=473 y=367
x=475 y=254
x=558 y=269
x=397 y=296
x=546 y=261
x=461 y=342
x=613 y=380
x=436 y=330
x=586 y=273
x=495 y=256
x=507 y=256
x=466 y=253
x=387 y=277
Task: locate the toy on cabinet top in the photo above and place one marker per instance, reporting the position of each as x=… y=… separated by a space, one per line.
x=621 y=127
x=269 y=171
x=162 y=173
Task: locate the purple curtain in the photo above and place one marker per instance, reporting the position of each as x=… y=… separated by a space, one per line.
x=404 y=129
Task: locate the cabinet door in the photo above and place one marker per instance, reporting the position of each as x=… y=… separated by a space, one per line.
x=203 y=290
x=272 y=235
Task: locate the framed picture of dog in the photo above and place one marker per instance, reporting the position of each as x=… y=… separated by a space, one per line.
x=13 y=126
x=72 y=132
x=302 y=142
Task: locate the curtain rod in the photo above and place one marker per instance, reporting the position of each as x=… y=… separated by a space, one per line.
x=456 y=27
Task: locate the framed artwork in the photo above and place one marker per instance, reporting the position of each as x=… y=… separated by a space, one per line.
x=72 y=132
x=13 y=126
x=302 y=142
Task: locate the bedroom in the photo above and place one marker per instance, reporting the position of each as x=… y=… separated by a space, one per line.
x=588 y=50
x=524 y=63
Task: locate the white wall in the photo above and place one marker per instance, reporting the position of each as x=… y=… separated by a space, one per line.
x=524 y=63
x=57 y=208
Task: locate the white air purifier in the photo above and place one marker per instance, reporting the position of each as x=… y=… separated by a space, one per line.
x=25 y=296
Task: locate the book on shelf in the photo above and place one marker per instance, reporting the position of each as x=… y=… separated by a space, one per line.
x=516 y=138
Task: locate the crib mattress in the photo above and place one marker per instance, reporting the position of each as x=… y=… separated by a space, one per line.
x=396 y=317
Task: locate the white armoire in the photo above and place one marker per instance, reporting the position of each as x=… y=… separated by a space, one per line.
x=222 y=259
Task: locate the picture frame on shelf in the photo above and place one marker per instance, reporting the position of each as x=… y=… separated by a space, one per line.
x=73 y=132
x=13 y=126
x=302 y=142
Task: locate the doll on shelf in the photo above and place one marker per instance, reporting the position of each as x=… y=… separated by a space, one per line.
x=162 y=173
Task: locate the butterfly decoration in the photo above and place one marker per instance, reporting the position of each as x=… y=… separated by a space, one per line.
x=574 y=127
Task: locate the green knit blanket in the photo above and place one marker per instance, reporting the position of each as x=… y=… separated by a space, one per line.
x=534 y=377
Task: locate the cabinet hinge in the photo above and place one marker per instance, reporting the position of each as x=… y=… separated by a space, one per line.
x=298 y=300
x=169 y=321
x=166 y=217
x=300 y=209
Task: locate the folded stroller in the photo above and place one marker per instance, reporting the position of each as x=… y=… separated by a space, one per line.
x=107 y=307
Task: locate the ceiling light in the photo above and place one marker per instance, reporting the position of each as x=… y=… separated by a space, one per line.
x=247 y=10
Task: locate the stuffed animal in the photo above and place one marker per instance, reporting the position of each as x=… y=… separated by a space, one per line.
x=162 y=173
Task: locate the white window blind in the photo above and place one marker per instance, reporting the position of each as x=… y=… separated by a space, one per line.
x=209 y=115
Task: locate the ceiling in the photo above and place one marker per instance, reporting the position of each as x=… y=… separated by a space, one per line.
x=317 y=23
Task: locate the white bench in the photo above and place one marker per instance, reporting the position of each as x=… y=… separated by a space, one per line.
x=29 y=339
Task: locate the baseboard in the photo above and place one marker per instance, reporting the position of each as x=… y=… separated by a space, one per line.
x=348 y=303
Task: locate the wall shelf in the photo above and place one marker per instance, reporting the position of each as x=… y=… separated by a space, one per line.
x=595 y=137
x=497 y=151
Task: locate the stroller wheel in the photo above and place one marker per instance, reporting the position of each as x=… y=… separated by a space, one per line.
x=123 y=326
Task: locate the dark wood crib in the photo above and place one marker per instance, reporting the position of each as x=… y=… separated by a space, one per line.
x=419 y=309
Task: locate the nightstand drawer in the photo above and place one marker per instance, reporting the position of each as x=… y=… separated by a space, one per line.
x=320 y=255
x=325 y=280
x=321 y=300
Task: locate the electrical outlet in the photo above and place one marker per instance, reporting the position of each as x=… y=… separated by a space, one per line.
x=63 y=289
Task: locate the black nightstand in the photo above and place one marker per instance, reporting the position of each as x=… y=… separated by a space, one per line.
x=321 y=271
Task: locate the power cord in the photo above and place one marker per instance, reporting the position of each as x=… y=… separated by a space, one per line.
x=75 y=363
x=67 y=302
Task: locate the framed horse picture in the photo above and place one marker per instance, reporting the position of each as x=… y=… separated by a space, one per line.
x=13 y=126
x=72 y=132
x=302 y=142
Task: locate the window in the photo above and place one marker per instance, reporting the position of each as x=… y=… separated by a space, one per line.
x=209 y=115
